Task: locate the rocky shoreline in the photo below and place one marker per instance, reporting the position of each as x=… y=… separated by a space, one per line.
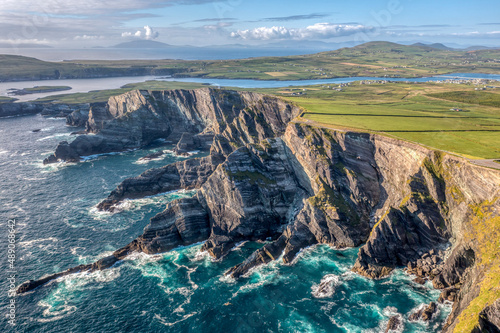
x=73 y=112
x=270 y=177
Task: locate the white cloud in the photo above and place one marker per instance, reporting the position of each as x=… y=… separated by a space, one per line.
x=316 y=31
x=15 y=42
x=148 y=33
x=477 y=34
x=217 y=27
x=88 y=37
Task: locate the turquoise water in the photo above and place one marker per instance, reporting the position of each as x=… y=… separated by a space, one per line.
x=180 y=291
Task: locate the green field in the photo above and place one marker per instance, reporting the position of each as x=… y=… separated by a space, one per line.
x=371 y=59
x=104 y=95
x=4 y=99
x=46 y=89
x=407 y=111
x=471 y=97
x=401 y=110
x=459 y=118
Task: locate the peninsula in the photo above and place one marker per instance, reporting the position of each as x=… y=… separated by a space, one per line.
x=271 y=175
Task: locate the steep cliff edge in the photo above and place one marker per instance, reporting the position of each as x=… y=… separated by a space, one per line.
x=137 y=118
x=269 y=178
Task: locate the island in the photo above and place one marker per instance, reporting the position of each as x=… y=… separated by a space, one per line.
x=37 y=90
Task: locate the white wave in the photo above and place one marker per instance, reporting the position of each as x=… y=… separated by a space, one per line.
x=99 y=214
x=31 y=243
x=58 y=304
x=34 y=179
x=239 y=246
x=227 y=279
x=149 y=267
x=259 y=276
x=75 y=249
x=3 y=152
x=166 y=153
x=52 y=167
x=164 y=321
x=60 y=135
x=54 y=313
x=142 y=258
x=157 y=199
x=326 y=288
x=96 y=156
x=200 y=256
x=302 y=252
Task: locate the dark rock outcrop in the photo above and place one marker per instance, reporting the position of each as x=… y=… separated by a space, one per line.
x=489 y=318
x=78 y=117
x=19 y=109
x=449 y=294
x=64 y=110
x=394 y=324
x=77 y=114
x=425 y=313
x=152 y=156
x=183 y=222
x=137 y=118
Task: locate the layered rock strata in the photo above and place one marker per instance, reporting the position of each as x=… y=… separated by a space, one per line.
x=270 y=178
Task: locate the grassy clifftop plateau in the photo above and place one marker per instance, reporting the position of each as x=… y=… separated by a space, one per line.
x=370 y=59
x=450 y=117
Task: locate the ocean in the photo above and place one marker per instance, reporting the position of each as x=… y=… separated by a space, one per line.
x=57 y=227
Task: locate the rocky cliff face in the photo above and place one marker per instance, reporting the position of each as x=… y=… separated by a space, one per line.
x=137 y=118
x=19 y=109
x=270 y=178
x=46 y=109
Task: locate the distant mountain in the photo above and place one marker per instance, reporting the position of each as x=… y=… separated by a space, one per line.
x=310 y=45
x=479 y=47
x=142 y=44
x=449 y=46
x=437 y=46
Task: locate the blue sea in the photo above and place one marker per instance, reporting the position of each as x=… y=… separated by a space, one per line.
x=57 y=227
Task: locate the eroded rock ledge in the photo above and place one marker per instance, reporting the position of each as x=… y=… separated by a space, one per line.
x=268 y=177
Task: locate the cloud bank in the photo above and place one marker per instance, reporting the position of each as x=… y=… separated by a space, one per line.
x=316 y=31
x=148 y=33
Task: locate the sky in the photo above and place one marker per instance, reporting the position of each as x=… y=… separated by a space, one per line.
x=90 y=23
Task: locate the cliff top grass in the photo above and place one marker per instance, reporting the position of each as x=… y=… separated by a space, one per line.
x=425 y=113
x=450 y=117
x=4 y=99
x=485 y=233
x=46 y=88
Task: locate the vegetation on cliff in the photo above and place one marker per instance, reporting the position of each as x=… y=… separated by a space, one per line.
x=484 y=231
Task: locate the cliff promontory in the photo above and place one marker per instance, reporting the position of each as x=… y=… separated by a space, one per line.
x=270 y=177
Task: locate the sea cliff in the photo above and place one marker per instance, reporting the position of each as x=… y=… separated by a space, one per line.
x=271 y=177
